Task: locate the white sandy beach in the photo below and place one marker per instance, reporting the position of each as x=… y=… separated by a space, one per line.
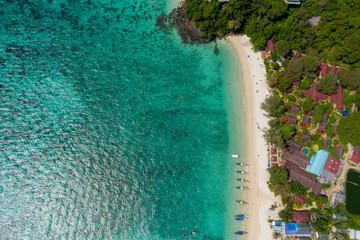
x=260 y=198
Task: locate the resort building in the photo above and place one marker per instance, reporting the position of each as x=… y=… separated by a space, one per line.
x=296 y=158
x=301 y=199
x=338 y=98
x=323 y=68
x=305 y=137
x=339 y=151
x=292 y=120
x=331 y=169
x=297 y=229
x=322 y=235
x=306 y=179
x=355 y=158
x=292 y=145
x=301 y=217
x=354 y=234
x=316 y=95
x=339 y=217
x=295 y=2
x=297 y=56
x=311 y=113
x=322 y=127
x=306 y=121
x=295 y=109
x=317 y=162
x=271 y=45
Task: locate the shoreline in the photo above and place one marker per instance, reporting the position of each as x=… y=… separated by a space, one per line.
x=253 y=76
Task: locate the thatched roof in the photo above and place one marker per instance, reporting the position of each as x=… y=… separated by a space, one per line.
x=306 y=137
x=339 y=151
x=301 y=217
x=297 y=158
x=293 y=145
x=306 y=120
x=292 y=120
x=322 y=126
x=295 y=109
x=306 y=179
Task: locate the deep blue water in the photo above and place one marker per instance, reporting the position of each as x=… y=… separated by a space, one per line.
x=110 y=127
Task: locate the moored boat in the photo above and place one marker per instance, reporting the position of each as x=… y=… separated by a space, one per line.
x=242 y=188
x=241 y=172
x=241 y=164
x=189 y=234
x=239 y=219
x=240 y=233
x=240 y=215
x=241 y=180
x=234 y=155
x=241 y=201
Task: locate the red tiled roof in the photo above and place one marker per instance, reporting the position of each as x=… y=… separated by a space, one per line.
x=273 y=159
x=271 y=45
x=339 y=69
x=301 y=217
x=323 y=68
x=338 y=98
x=355 y=158
x=333 y=70
x=297 y=55
x=301 y=199
x=332 y=165
x=273 y=150
x=274 y=165
x=297 y=83
x=316 y=95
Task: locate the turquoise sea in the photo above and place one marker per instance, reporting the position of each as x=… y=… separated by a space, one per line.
x=110 y=126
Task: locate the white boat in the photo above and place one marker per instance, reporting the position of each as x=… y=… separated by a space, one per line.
x=234 y=155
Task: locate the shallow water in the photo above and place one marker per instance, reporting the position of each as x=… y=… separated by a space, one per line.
x=110 y=127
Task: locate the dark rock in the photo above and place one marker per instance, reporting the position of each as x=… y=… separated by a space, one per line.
x=188 y=32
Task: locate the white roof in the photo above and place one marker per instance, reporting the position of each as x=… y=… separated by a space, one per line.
x=354 y=234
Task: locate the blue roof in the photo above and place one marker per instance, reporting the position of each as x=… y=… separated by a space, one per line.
x=317 y=162
x=293 y=229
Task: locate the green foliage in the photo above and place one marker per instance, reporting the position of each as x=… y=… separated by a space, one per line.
x=278 y=175
x=321 y=225
x=283 y=84
x=317 y=118
x=321 y=200
x=328 y=84
x=306 y=83
x=350 y=79
x=330 y=131
x=284 y=63
x=287 y=132
x=349 y=128
x=274 y=106
x=308 y=104
x=282 y=189
x=309 y=63
x=294 y=70
x=285 y=216
x=297 y=188
x=282 y=48
x=275 y=66
x=326 y=185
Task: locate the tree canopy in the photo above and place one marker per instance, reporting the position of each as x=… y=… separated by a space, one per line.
x=278 y=175
x=328 y=84
x=273 y=105
x=349 y=128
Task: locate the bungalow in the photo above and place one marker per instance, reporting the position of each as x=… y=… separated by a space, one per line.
x=332 y=70
x=316 y=95
x=341 y=217
x=311 y=113
x=301 y=217
x=292 y=145
x=339 y=69
x=326 y=143
x=301 y=199
x=295 y=2
x=322 y=127
x=295 y=109
x=355 y=158
x=297 y=158
x=306 y=179
x=335 y=130
x=297 y=229
x=271 y=45
x=338 y=98
x=306 y=137
x=323 y=235
x=325 y=117
x=339 y=151
x=323 y=68
x=305 y=121
x=292 y=120
x=297 y=56
x=331 y=169
x=314 y=21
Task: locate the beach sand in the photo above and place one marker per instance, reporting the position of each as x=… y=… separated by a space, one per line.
x=259 y=197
